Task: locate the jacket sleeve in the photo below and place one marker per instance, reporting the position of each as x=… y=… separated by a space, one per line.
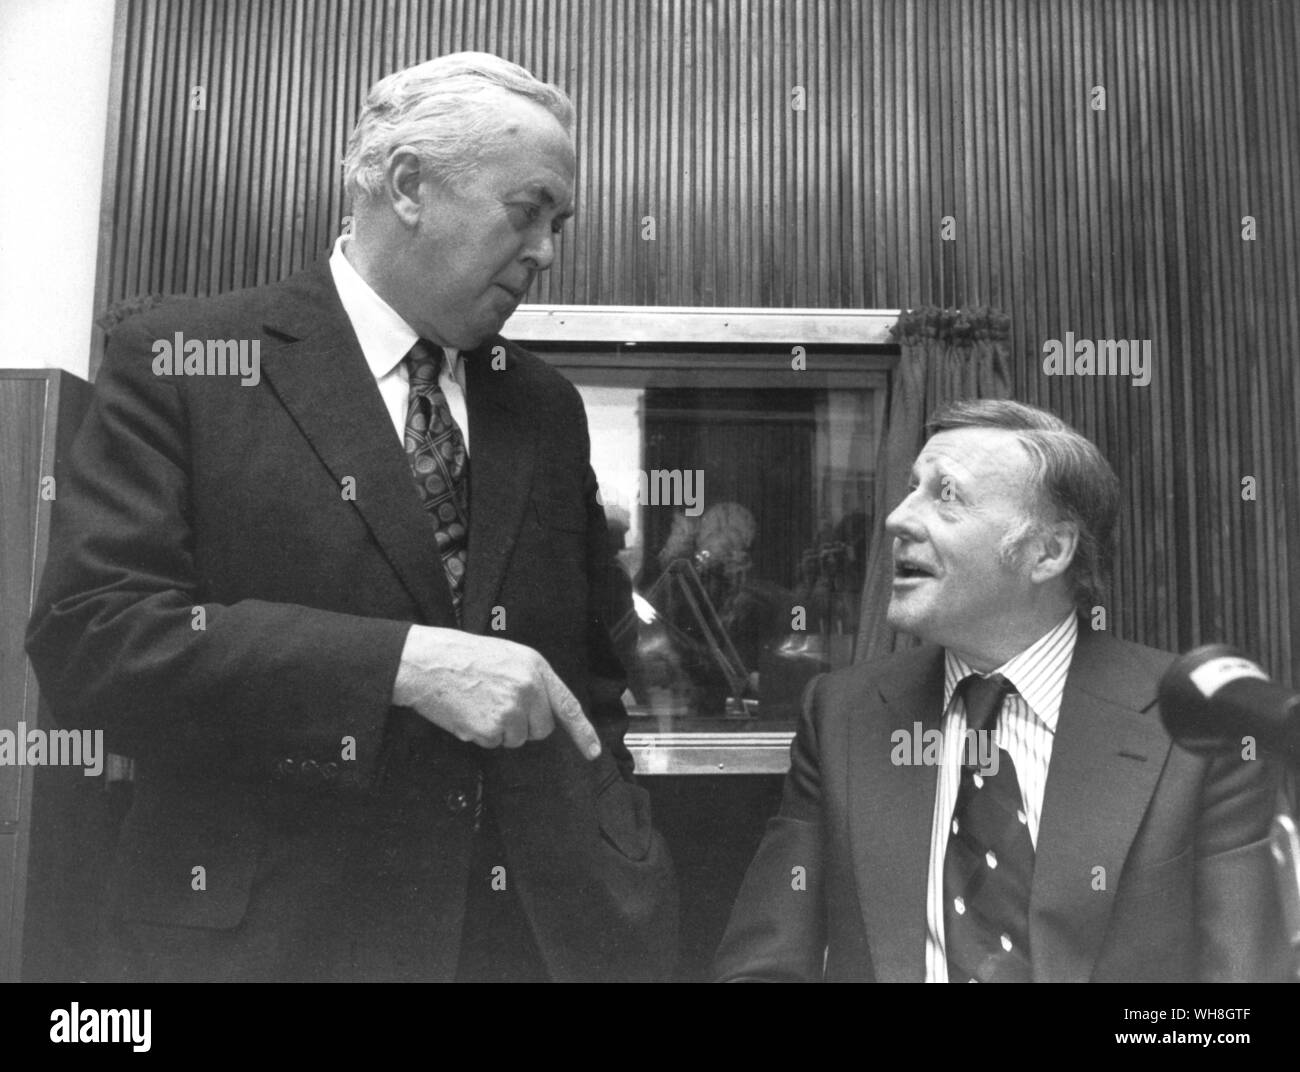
x=777 y=930
x=1240 y=934
x=122 y=639
x=605 y=605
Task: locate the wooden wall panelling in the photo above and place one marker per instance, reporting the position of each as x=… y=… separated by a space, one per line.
x=1122 y=223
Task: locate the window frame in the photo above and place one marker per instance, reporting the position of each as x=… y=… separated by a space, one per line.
x=608 y=336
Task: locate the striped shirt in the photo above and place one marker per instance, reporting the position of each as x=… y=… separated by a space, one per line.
x=1026 y=726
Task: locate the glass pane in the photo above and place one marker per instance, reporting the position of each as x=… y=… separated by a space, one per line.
x=740 y=510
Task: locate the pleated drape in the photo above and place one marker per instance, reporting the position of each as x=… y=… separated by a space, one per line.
x=946 y=355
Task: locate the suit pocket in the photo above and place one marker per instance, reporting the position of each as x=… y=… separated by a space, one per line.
x=623 y=813
x=1157 y=875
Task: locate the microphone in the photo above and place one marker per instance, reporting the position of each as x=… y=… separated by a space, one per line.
x=1214 y=696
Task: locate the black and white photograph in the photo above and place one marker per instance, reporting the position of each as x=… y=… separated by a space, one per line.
x=660 y=491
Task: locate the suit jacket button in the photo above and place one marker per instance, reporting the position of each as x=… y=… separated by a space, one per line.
x=457 y=801
x=285 y=768
x=329 y=771
x=310 y=771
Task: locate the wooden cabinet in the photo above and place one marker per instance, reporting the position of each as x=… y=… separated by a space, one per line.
x=43 y=917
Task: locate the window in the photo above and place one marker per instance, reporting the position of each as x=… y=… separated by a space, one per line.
x=739 y=493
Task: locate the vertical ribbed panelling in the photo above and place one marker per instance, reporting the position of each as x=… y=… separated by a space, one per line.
x=1122 y=223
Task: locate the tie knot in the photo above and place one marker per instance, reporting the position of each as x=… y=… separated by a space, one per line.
x=984 y=696
x=424 y=361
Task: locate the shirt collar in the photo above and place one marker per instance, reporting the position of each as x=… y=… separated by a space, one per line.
x=1038 y=672
x=384 y=336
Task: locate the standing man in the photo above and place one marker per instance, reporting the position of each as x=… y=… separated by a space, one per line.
x=335 y=603
x=1065 y=837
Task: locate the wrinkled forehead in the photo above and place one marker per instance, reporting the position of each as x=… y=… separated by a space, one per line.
x=532 y=148
x=516 y=117
x=982 y=458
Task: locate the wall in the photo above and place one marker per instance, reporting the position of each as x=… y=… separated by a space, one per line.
x=55 y=59
x=1117 y=223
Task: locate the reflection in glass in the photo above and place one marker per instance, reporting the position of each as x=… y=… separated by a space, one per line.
x=739 y=510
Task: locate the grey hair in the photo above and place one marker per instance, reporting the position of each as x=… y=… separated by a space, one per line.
x=1073 y=482
x=447 y=109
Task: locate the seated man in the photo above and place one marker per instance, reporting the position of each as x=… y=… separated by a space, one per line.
x=1064 y=837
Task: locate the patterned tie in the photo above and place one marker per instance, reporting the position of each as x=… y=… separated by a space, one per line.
x=989 y=863
x=439 y=463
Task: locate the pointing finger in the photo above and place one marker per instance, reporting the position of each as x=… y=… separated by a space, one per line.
x=568 y=713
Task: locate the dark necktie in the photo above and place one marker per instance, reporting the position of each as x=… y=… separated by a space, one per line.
x=989 y=863
x=439 y=463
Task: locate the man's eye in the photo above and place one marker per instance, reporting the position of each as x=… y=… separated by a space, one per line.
x=557 y=226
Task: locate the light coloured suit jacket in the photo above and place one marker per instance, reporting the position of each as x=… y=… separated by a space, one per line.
x=1152 y=863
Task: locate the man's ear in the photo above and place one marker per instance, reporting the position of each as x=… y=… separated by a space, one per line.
x=1052 y=551
x=403 y=187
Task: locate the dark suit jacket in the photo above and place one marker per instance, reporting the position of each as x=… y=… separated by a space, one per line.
x=195 y=492
x=1151 y=865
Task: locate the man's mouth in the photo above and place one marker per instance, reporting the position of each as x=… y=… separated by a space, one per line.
x=517 y=295
x=906 y=569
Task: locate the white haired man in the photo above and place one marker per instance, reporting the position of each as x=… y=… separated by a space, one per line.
x=1002 y=804
x=336 y=614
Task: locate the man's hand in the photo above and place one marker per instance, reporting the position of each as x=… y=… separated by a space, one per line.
x=487 y=690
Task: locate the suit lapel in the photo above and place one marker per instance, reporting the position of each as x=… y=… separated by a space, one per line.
x=503 y=436
x=891 y=808
x=322 y=379
x=1106 y=759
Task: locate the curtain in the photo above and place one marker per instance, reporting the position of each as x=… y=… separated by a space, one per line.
x=947 y=354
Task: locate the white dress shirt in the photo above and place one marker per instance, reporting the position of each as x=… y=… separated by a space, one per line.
x=386 y=339
x=1025 y=728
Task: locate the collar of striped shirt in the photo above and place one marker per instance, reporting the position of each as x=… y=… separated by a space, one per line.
x=1038 y=672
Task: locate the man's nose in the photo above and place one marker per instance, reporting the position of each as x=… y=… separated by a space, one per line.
x=903 y=522
x=541 y=251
